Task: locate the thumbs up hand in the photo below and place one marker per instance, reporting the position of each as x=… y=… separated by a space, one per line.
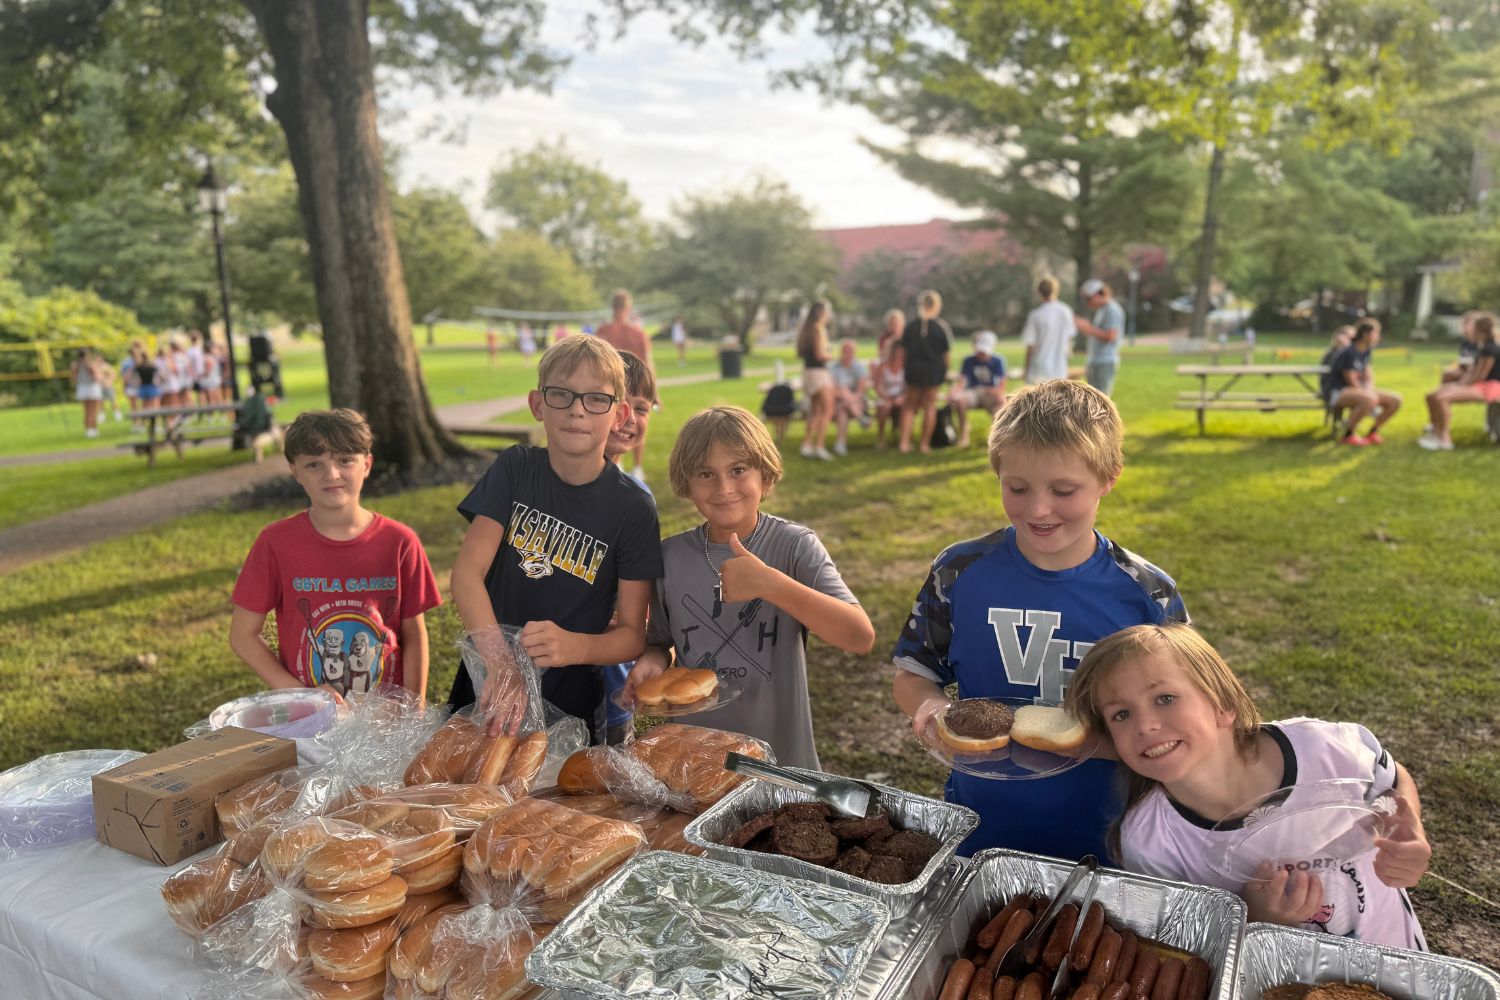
x=1402 y=854
x=742 y=575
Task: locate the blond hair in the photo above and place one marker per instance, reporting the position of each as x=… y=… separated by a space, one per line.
x=929 y=303
x=899 y=316
x=738 y=430
x=339 y=431
x=1061 y=414
x=1204 y=667
x=566 y=356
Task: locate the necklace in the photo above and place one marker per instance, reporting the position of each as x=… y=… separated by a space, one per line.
x=718 y=576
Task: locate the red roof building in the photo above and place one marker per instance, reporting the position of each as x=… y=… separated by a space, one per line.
x=921 y=241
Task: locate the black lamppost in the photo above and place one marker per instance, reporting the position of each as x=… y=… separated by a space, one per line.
x=212 y=199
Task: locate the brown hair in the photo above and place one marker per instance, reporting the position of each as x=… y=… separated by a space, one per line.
x=339 y=431
x=1199 y=660
x=733 y=427
x=619 y=300
x=1366 y=327
x=1483 y=327
x=1047 y=287
x=811 y=337
x=568 y=355
x=638 y=378
x=1061 y=414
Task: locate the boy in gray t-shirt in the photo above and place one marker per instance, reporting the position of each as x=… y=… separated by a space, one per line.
x=741 y=591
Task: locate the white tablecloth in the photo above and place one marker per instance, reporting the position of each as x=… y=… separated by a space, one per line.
x=82 y=921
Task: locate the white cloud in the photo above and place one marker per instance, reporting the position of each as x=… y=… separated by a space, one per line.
x=669 y=119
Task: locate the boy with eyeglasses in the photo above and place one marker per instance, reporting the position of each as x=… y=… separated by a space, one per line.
x=561 y=543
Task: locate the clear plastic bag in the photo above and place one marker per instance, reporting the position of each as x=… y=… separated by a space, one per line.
x=50 y=800
x=477 y=954
x=506 y=683
x=291 y=713
x=543 y=857
x=676 y=766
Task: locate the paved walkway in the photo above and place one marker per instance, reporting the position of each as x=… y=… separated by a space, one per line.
x=72 y=530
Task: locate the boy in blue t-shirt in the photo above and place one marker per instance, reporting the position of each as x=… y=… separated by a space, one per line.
x=1011 y=614
x=981 y=383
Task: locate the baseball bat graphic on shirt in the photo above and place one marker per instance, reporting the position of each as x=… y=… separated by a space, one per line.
x=746 y=615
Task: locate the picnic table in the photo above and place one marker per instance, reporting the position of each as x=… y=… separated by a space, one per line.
x=173 y=423
x=1215 y=349
x=1223 y=395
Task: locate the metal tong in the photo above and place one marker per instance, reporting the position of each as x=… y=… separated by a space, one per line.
x=1014 y=962
x=845 y=796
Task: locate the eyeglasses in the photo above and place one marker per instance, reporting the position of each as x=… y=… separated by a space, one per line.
x=561 y=398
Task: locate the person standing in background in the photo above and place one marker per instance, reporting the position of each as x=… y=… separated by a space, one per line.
x=895 y=323
x=1048 y=334
x=679 y=341
x=928 y=342
x=623 y=335
x=88 y=388
x=1103 y=358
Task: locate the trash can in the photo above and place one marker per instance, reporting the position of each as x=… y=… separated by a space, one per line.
x=731 y=358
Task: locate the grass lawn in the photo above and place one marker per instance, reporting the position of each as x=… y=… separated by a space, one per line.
x=1352 y=584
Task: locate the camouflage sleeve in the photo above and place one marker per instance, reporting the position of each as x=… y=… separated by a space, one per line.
x=922 y=648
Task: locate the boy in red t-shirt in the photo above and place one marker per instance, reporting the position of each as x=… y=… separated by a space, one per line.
x=349 y=587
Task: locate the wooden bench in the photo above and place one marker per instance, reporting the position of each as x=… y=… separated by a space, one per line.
x=520 y=433
x=173 y=422
x=1226 y=397
x=1214 y=349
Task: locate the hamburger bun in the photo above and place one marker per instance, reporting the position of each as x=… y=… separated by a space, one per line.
x=975 y=725
x=1048 y=727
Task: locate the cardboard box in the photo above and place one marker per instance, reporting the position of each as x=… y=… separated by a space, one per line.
x=161 y=807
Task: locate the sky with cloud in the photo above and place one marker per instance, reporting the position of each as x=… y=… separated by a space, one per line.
x=668 y=119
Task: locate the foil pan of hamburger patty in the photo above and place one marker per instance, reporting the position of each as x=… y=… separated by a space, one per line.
x=668 y=925
x=946 y=822
x=1278 y=956
x=1208 y=922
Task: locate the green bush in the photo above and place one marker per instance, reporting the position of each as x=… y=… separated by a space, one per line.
x=66 y=317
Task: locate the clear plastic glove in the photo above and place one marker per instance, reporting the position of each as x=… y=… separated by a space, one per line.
x=504 y=696
x=1403 y=853
x=921 y=719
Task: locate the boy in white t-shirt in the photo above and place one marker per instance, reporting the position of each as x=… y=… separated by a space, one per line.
x=1198 y=753
x=1048 y=335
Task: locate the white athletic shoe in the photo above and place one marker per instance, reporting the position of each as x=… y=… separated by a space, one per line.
x=806 y=451
x=822 y=453
x=1433 y=444
x=840 y=448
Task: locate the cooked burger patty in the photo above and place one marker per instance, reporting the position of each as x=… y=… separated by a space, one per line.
x=979 y=719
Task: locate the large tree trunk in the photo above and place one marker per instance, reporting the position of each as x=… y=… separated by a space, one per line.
x=325 y=103
x=1083 y=232
x=1207 y=244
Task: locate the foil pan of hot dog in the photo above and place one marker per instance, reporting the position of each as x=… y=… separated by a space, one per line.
x=947 y=822
x=668 y=925
x=1276 y=956
x=1208 y=922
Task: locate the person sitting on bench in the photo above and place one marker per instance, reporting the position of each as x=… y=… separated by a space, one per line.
x=1350 y=385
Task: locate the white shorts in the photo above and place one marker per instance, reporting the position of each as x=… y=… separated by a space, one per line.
x=210 y=383
x=815 y=380
x=90 y=392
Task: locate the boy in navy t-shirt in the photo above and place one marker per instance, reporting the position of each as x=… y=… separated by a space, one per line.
x=1011 y=614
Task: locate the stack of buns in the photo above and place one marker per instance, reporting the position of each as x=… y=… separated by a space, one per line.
x=461 y=752
x=464 y=953
x=545 y=857
x=357 y=954
x=207 y=891
x=682 y=765
x=676 y=686
x=663 y=828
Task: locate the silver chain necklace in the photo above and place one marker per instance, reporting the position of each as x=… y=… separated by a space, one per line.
x=718 y=576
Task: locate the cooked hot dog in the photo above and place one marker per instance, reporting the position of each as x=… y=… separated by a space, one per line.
x=992 y=930
x=1143 y=976
x=1088 y=937
x=1168 y=978
x=1088 y=991
x=1117 y=990
x=1031 y=988
x=1005 y=989
x=1106 y=955
x=979 y=987
x=1195 y=980
x=956 y=986
x=1061 y=937
x=1129 y=948
x=1020 y=923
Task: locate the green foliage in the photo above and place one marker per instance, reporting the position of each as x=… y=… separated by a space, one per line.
x=63 y=316
x=520 y=270
x=740 y=251
x=270 y=265
x=576 y=207
x=440 y=250
x=980 y=289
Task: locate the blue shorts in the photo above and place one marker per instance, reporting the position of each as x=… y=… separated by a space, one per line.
x=148 y=392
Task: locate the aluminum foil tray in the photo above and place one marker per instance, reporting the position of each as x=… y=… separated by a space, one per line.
x=1207 y=922
x=1273 y=956
x=670 y=925
x=948 y=822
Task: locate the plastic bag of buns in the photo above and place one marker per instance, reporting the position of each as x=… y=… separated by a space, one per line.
x=476 y=952
x=467 y=806
x=662 y=827
x=507 y=685
x=543 y=857
x=329 y=873
x=678 y=766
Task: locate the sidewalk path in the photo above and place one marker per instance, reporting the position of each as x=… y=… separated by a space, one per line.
x=72 y=530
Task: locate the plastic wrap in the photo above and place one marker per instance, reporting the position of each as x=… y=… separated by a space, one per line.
x=291 y=713
x=664 y=828
x=673 y=926
x=946 y=822
x=543 y=857
x=506 y=683
x=475 y=952
x=676 y=766
x=1207 y=922
x=50 y=800
x=1277 y=956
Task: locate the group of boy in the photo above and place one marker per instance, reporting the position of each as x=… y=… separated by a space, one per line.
x=564 y=546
